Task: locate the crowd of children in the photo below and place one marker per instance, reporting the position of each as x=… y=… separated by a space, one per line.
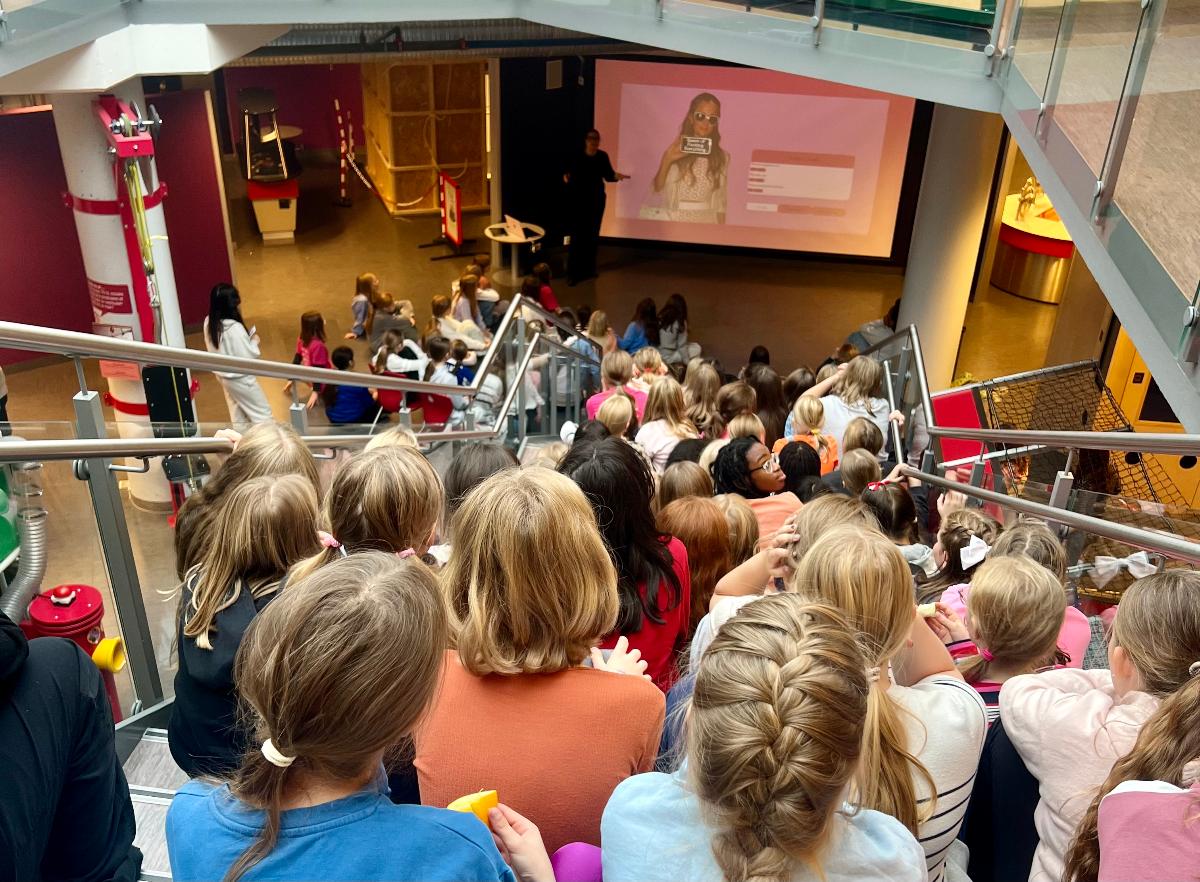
x=705 y=638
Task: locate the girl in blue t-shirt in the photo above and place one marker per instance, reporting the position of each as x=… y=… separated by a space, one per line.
x=335 y=673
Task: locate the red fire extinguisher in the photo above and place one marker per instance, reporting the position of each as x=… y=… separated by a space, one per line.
x=76 y=612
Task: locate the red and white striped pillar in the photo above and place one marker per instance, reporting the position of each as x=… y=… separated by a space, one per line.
x=117 y=284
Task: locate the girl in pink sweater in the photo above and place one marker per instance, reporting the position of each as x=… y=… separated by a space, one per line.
x=1081 y=733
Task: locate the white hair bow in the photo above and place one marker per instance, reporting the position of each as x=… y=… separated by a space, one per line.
x=974 y=552
x=1104 y=567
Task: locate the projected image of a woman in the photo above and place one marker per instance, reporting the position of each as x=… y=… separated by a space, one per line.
x=693 y=173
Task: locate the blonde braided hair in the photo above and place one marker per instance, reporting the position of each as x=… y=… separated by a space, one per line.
x=774 y=733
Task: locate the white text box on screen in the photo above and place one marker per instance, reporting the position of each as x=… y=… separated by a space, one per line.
x=795 y=181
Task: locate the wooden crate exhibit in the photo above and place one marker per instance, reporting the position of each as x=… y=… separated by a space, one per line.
x=420 y=118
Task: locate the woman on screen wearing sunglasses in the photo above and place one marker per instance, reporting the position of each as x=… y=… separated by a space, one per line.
x=692 y=175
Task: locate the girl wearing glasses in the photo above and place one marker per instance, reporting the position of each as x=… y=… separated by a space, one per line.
x=693 y=184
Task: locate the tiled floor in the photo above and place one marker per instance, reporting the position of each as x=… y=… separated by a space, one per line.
x=801 y=310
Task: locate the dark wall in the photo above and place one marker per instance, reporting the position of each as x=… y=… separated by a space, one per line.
x=42 y=281
x=305 y=94
x=540 y=130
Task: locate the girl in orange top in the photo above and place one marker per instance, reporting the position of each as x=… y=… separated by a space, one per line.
x=532 y=589
x=808 y=418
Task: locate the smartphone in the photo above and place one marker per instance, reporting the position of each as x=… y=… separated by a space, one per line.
x=699 y=146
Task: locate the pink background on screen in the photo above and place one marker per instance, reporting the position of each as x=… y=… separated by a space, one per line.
x=640 y=107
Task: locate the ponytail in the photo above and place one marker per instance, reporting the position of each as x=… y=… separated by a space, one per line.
x=1169 y=740
x=886 y=784
x=261 y=784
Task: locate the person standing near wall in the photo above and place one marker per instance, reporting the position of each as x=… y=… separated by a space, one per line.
x=586 y=199
x=225 y=332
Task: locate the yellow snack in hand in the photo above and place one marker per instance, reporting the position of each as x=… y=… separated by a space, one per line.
x=478 y=804
x=927 y=610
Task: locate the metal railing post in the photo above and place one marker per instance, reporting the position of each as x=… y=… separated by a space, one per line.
x=519 y=379
x=552 y=398
x=297 y=412
x=118 y=555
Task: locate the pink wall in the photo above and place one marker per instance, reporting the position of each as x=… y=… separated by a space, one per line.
x=305 y=94
x=43 y=282
x=195 y=222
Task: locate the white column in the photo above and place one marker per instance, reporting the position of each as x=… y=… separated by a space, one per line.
x=947 y=231
x=90 y=173
x=493 y=158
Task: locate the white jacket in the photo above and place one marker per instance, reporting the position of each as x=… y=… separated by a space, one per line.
x=1070 y=727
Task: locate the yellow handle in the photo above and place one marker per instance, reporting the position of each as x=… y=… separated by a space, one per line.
x=109 y=654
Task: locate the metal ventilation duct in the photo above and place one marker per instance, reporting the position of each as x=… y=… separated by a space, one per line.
x=493 y=38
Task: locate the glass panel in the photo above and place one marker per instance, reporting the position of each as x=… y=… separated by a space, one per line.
x=1098 y=49
x=1037 y=32
x=1161 y=153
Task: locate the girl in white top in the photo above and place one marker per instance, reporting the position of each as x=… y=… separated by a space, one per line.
x=925 y=730
x=442 y=323
x=438 y=371
x=665 y=422
x=850 y=393
x=225 y=332
x=1081 y=733
x=773 y=741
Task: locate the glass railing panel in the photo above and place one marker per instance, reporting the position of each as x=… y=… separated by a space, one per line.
x=28 y=18
x=1160 y=155
x=1096 y=40
x=958 y=23
x=1034 y=40
x=39 y=430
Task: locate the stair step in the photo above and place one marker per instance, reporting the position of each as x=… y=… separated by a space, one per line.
x=150 y=813
x=151 y=764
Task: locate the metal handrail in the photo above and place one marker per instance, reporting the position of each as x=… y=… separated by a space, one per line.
x=140 y=448
x=511 y=394
x=1147 y=540
x=559 y=323
x=1131 y=442
x=918 y=367
x=75 y=344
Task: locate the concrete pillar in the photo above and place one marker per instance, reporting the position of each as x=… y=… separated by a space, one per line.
x=92 y=179
x=947 y=231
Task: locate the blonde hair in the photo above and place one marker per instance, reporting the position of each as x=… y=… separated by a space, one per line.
x=826 y=371
x=519 y=607
x=598 y=326
x=863 y=574
x=742 y=525
x=709 y=454
x=665 y=402
x=809 y=412
x=1016 y=609
x=773 y=734
x=394 y=436
x=549 y=455
x=700 y=386
x=859 y=468
x=264 y=449
x=699 y=523
x=1034 y=540
x=616 y=368
x=649 y=364
x=616 y=412
x=1158 y=625
x=862 y=434
x=680 y=480
x=860 y=382
x=826 y=513
x=747 y=425
x=262 y=527
x=388 y=499
x=339 y=667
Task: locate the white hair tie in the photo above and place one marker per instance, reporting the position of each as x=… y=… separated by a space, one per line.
x=274 y=757
x=974 y=552
x=1194 y=669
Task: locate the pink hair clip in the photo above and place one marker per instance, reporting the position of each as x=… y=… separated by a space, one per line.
x=327 y=541
x=408 y=552
x=877 y=485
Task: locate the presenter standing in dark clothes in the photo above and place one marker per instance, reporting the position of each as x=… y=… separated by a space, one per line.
x=585 y=200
